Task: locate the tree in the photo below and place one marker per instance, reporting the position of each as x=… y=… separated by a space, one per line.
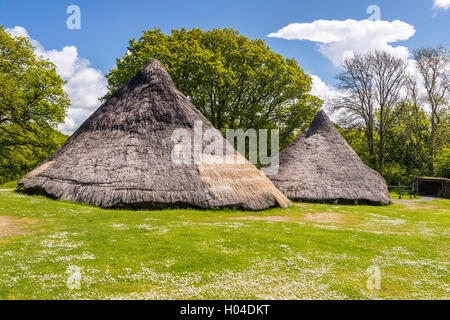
x=32 y=103
x=237 y=83
x=372 y=84
x=433 y=65
x=17 y=160
x=443 y=163
x=408 y=142
x=356 y=137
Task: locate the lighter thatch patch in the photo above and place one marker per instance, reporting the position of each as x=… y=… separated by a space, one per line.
x=10 y=226
x=234 y=175
x=38 y=170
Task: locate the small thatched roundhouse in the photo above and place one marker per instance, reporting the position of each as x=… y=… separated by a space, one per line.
x=122 y=156
x=319 y=165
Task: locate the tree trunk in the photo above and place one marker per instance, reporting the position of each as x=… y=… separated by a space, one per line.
x=370 y=141
x=381 y=145
x=381 y=152
x=432 y=147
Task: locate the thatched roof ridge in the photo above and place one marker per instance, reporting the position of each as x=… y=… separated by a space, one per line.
x=121 y=156
x=319 y=165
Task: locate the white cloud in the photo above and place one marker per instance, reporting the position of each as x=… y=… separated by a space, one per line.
x=441 y=4
x=18 y=31
x=84 y=83
x=342 y=39
x=323 y=91
x=66 y=60
x=328 y=94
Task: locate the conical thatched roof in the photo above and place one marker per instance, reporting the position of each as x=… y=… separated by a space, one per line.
x=121 y=156
x=319 y=165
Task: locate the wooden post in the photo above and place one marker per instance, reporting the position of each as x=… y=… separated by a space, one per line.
x=416 y=190
x=399 y=191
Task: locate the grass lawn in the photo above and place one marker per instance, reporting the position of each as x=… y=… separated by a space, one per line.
x=9 y=185
x=308 y=251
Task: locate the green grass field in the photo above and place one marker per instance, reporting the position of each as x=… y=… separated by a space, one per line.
x=308 y=251
x=9 y=185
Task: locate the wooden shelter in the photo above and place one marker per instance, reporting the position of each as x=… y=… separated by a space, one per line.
x=438 y=187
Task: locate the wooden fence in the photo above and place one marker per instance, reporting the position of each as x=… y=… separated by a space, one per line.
x=402 y=190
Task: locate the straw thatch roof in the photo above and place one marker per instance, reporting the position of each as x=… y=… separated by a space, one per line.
x=121 y=156
x=319 y=165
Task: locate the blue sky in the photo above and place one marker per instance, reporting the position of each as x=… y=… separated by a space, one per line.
x=106 y=27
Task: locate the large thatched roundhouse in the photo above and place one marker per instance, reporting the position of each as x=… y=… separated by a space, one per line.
x=319 y=165
x=122 y=156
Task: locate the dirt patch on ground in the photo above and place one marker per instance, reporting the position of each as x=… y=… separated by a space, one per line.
x=417 y=206
x=421 y=207
x=319 y=217
x=11 y=226
x=325 y=217
x=268 y=218
x=4 y=190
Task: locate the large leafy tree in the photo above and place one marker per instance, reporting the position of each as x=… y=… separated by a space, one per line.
x=32 y=103
x=234 y=81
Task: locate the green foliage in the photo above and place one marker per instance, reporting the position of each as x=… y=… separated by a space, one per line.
x=395 y=173
x=443 y=163
x=357 y=139
x=397 y=128
x=234 y=81
x=17 y=160
x=407 y=145
x=32 y=103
